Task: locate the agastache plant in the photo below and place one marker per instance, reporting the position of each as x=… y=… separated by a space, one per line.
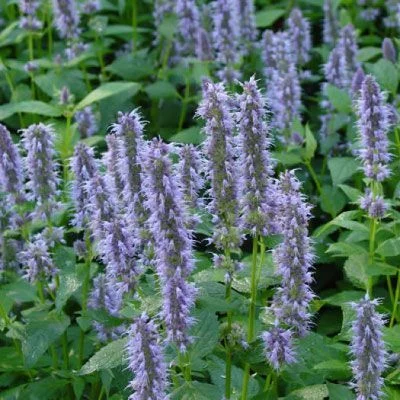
x=168 y=223
x=161 y=9
x=226 y=38
x=389 y=51
x=247 y=20
x=356 y=82
x=368 y=350
x=11 y=166
x=66 y=18
x=299 y=31
x=331 y=23
x=257 y=194
x=348 y=44
x=293 y=258
x=29 y=19
x=41 y=168
x=86 y=122
x=146 y=361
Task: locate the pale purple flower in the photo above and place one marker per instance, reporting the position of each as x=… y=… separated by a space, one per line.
x=75 y=49
x=392 y=9
x=368 y=350
x=356 y=82
x=348 y=44
x=66 y=18
x=31 y=66
x=41 y=168
x=65 y=96
x=336 y=70
x=162 y=8
x=86 y=122
x=375 y=206
x=29 y=19
x=84 y=167
x=91 y=6
x=168 y=223
x=188 y=27
x=146 y=361
x=29 y=7
x=278 y=347
x=226 y=38
x=247 y=21
x=219 y=147
x=389 y=51
x=30 y=23
x=11 y=167
x=299 y=31
x=190 y=169
x=267 y=52
x=204 y=50
x=368 y=10
x=36 y=261
x=52 y=235
x=256 y=197
x=293 y=257
x=373 y=126
x=331 y=23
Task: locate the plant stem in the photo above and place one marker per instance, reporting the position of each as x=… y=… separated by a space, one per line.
x=228 y=366
x=396 y=301
x=184 y=105
x=313 y=176
x=252 y=313
x=65 y=350
x=134 y=26
x=30 y=46
x=372 y=234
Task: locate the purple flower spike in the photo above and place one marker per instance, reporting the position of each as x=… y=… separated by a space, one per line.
x=299 y=31
x=36 y=261
x=368 y=350
x=215 y=110
x=373 y=126
x=226 y=36
x=336 y=69
x=91 y=6
x=356 y=83
x=84 y=168
x=247 y=20
x=66 y=18
x=41 y=168
x=278 y=347
x=11 y=170
x=190 y=171
x=168 y=222
x=348 y=44
x=293 y=258
x=29 y=19
x=146 y=361
x=374 y=205
x=29 y=7
x=188 y=27
x=86 y=121
x=389 y=51
x=256 y=201
x=331 y=23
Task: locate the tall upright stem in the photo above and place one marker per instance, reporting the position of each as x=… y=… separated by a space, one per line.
x=228 y=366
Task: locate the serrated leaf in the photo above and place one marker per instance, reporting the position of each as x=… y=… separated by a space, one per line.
x=339 y=392
x=107 y=90
x=314 y=392
x=342 y=168
x=352 y=193
x=332 y=200
x=69 y=284
x=161 y=90
x=191 y=135
x=334 y=369
x=29 y=107
x=344 y=249
x=311 y=143
x=367 y=53
x=355 y=268
x=389 y=248
x=110 y=356
x=344 y=297
x=386 y=75
x=205 y=335
x=339 y=99
x=266 y=18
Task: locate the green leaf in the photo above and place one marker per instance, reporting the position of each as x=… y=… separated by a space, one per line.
x=332 y=200
x=339 y=392
x=29 y=107
x=339 y=98
x=197 y=391
x=314 y=392
x=355 y=268
x=380 y=268
x=266 y=18
x=161 y=90
x=168 y=26
x=205 y=334
x=191 y=135
x=334 y=369
x=110 y=356
x=311 y=143
x=40 y=334
x=343 y=249
x=352 y=193
x=389 y=248
x=46 y=388
x=386 y=75
x=342 y=168
x=367 y=53
x=392 y=338
x=344 y=297
x=107 y=90
x=69 y=284
x=131 y=67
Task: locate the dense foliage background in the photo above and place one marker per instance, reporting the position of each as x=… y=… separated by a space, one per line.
x=118 y=59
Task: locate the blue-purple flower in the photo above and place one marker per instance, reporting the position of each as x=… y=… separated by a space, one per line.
x=389 y=51
x=86 y=122
x=331 y=23
x=348 y=45
x=66 y=18
x=299 y=31
x=247 y=20
x=146 y=361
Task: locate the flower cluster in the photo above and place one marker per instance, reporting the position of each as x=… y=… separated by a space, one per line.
x=299 y=32
x=331 y=23
x=29 y=19
x=86 y=122
x=347 y=43
x=66 y=18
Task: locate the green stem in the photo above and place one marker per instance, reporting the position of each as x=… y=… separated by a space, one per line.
x=268 y=382
x=396 y=301
x=30 y=46
x=165 y=58
x=372 y=234
x=49 y=31
x=252 y=313
x=184 y=105
x=313 y=176
x=134 y=26
x=390 y=288
x=228 y=366
x=65 y=351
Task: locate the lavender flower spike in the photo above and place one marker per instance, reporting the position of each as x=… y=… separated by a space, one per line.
x=29 y=7
x=293 y=258
x=348 y=44
x=389 y=51
x=336 y=69
x=278 y=346
x=84 y=168
x=226 y=37
x=331 y=23
x=146 y=360
x=172 y=241
x=41 y=168
x=29 y=19
x=86 y=121
x=188 y=27
x=356 y=83
x=66 y=18
x=190 y=172
x=299 y=31
x=247 y=19
x=368 y=350
x=215 y=110
x=256 y=201
x=373 y=126
x=11 y=170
